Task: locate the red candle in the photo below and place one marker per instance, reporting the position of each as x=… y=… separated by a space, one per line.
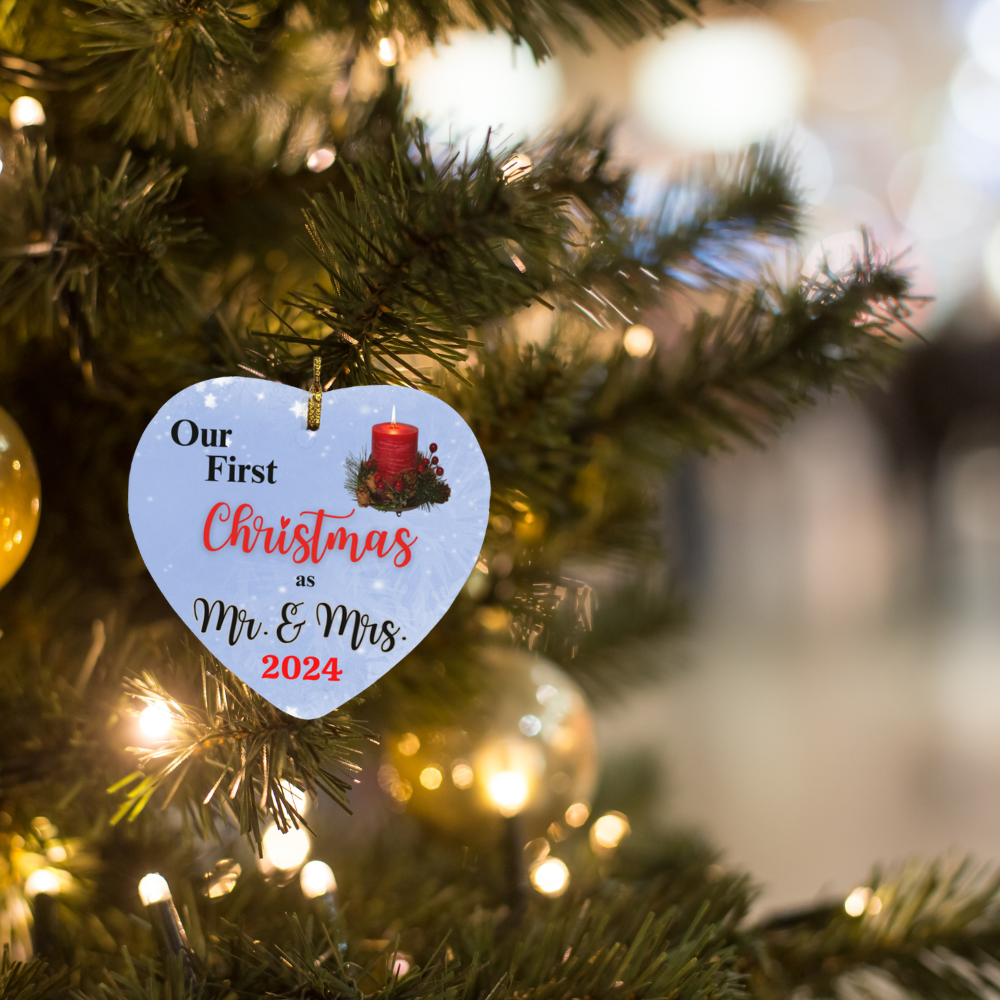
x=394 y=447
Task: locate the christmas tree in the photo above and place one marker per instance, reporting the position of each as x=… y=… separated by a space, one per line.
x=201 y=190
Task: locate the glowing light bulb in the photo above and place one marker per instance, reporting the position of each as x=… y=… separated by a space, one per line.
x=577 y=814
x=509 y=790
x=321 y=159
x=298 y=798
x=317 y=880
x=722 y=86
x=480 y=81
x=400 y=965
x=550 y=877
x=26 y=111
x=638 y=340
x=609 y=831
x=430 y=778
x=285 y=850
x=517 y=166
x=388 y=51
x=857 y=901
x=155 y=720
x=153 y=888
x=462 y=775
x=41 y=880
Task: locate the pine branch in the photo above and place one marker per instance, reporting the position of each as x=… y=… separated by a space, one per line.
x=236 y=756
x=425 y=251
x=931 y=928
x=89 y=253
x=30 y=980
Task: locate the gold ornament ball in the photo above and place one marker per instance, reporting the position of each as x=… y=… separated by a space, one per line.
x=20 y=497
x=529 y=750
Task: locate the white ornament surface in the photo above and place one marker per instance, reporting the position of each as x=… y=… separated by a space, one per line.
x=408 y=570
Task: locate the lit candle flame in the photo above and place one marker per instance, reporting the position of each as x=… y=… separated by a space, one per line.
x=393 y=414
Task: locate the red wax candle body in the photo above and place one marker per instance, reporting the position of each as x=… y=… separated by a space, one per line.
x=394 y=448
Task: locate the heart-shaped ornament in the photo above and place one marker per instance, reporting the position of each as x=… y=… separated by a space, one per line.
x=309 y=563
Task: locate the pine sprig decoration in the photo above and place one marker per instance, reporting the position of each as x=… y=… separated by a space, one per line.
x=88 y=252
x=417 y=488
x=31 y=980
x=159 y=69
x=235 y=756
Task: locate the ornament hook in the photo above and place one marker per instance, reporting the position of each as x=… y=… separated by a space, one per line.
x=315 y=404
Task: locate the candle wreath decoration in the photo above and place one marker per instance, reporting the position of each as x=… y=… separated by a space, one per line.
x=396 y=476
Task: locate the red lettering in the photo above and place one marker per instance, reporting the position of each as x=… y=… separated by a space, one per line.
x=405 y=547
x=381 y=536
x=208 y=526
x=302 y=552
x=238 y=518
x=340 y=536
x=258 y=525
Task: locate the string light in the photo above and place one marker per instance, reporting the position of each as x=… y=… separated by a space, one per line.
x=509 y=792
x=298 y=798
x=388 y=51
x=41 y=880
x=577 y=814
x=321 y=159
x=26 y=111
x=857 y=901
x=317 y=880
x=517 y=166
x=609 y=831
x=153 y=888
x=156 y=720
x=285 y=851
x=550 y=877
x=638 y=340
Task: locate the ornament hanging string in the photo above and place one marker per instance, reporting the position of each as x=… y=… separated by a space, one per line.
x=315 y=404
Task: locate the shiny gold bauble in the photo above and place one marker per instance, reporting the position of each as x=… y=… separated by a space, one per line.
x=528 y=749
x=20 y=497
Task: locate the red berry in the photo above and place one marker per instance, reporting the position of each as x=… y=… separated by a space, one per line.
x=433 y=447
x=434 y=460
x=439 y=470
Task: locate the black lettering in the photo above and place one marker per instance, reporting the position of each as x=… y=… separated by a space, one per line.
x=258 y=473
x=232 y=469
x=300 y=581
x=310 y=581
x=224 y=443
x=212 y=470
x=175 y=433
x=243 y=469
x=288 y=611
x=388 y=636
x=271 y=467
x=207 y=442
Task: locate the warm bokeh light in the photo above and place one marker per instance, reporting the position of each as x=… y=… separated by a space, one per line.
x=462 y=775
x=720 y=87
x=975 y=101
x=223 y=880
x=857 y=901
x=638 y=340
x=401 y=964
x=388 y=51
x=153 y=888
x=577 y=814
x=409 y=744
x=298 y=798
x=517 y=166
x=321 y=159
x=41 y=880
x=155 y=720
x=550 y=877
x=430 y=777
x=317 y=880
x=609 y=831
x=26 y=111
x=509 y=791
x=285 y=850
x=480 y=81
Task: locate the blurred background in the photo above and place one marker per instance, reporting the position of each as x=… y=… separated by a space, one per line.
x=835 y=700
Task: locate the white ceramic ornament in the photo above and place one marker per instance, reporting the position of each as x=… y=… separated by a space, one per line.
x=253 y=527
